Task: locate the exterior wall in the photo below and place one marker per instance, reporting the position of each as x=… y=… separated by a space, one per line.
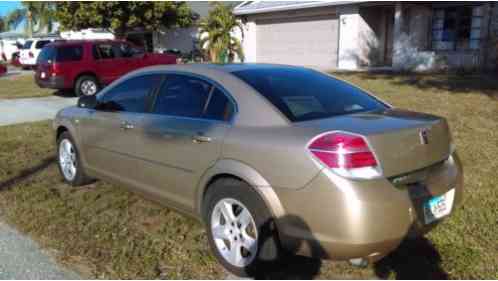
x=362 y=37
x=411 y=26
x=349 y=46
x=372 y=34
x=248 y=40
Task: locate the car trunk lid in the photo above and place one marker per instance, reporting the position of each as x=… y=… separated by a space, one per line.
x=402 y=141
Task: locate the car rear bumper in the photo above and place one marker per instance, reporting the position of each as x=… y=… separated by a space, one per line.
x=51 y=82
x=341 y=219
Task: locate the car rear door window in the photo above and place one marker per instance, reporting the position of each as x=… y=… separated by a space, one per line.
x=219 y=107
x=131 y=95
x=69 y=53
x=183 y=96
x=104 y=51
x=304 y=94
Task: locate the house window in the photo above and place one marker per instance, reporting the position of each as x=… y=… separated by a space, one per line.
x=457 y=28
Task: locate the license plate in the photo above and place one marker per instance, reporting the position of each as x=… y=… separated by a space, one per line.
x=43 y=75
x=439 y=206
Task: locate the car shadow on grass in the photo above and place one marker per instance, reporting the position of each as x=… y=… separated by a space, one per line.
x=27 y=173
x=288 y=265
x=414 y=259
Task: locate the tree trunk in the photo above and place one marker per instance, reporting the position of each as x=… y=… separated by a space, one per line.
x=29 y=23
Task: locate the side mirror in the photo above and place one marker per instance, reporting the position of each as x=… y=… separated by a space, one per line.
x=88 y=102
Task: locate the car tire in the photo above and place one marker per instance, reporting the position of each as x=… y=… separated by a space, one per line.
x=69 y=162
x=86 y=85
x=264 y=252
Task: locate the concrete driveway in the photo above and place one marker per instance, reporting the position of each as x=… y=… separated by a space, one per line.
x=21 y=258
x=15 y=111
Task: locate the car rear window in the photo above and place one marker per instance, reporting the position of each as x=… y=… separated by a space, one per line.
x=27 y=44
x=47 y=55
x=304 y=94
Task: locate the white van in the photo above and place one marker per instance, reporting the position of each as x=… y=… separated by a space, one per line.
x=8 y=48
x=31 y=49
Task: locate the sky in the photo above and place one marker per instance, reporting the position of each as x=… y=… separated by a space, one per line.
x=8 y=6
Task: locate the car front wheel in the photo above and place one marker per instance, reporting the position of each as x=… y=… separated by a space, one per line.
x=69 y=163
x=240 y=228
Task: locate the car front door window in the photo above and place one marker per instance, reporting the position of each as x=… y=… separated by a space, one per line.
x=129 y=96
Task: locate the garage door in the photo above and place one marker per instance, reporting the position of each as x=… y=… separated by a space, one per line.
x=303 y=41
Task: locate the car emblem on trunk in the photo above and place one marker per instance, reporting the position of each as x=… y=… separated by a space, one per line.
x=424 y=136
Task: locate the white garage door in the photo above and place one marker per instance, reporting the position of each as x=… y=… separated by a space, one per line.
x=309 y=41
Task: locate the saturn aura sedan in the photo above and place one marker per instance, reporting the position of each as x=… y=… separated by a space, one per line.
x=274 y=160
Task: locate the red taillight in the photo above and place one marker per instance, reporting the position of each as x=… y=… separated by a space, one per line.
x=343 y=151
x=30 y=54
x=54 y=70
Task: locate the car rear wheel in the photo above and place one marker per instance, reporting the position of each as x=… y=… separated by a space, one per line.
x=69 y=162
x=86 y=85
x=240 y=228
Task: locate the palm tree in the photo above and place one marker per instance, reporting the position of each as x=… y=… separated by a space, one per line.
x=216 y=36
x=34 y=14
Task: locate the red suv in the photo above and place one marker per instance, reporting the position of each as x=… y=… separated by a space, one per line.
x=3 y=69
x=86 y=66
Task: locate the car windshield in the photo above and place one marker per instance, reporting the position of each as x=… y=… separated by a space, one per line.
x=27 y=44
x=304 y=94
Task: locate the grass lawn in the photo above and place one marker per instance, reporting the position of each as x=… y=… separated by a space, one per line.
x=21 y=86
x=106 y=232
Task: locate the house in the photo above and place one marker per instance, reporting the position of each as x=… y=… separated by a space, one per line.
x=184 y=40
x=356 y=35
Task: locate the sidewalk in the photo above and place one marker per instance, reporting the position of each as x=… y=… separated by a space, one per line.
x=13 y=111
x=21 y=258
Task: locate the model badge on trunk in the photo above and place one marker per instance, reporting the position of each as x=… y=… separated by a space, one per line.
x=424 y=136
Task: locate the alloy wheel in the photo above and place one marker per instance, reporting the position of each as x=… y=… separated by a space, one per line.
x=67 y=159
x=234 y=232
x=88 y=88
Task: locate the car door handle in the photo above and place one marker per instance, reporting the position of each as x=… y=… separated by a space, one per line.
x=127 y=126
x=201 y=138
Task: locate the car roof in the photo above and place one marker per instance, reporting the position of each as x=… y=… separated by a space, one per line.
x=227 y=68
x=64 y=42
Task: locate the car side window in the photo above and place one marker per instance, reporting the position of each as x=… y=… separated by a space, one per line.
x=41 y=44
x=131 y=95
x=124 y=50
x=69 y=53
x=183 y=96
x=104 y=51
x=219 y=107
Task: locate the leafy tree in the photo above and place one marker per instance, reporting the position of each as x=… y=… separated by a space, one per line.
x=216 y=34
x=34 y=14
x=120 y=17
